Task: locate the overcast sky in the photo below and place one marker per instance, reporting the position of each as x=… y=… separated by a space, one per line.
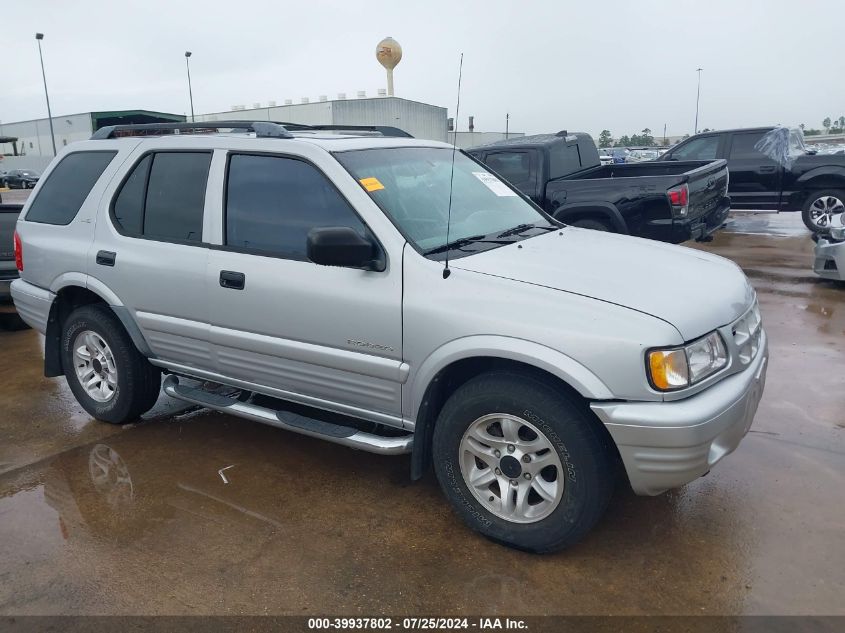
x=579 y=65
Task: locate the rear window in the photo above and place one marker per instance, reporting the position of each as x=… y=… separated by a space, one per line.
x=66 y=188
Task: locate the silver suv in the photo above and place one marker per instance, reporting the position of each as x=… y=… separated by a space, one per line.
x=391 y=295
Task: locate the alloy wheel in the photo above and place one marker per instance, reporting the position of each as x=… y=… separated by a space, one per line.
x=511 y=468
x=95 y=366
x=823 y=209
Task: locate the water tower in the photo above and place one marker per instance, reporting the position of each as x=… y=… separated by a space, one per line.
x=388 y=54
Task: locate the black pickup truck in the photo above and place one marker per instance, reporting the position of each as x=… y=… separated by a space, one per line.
x=811 y=183
x=8 y=269
x=670 y=202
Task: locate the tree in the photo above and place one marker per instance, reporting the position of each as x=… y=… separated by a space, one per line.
x=605 y=139
x=841 y=122
x=802 y=127
x=646 y=138
x=826 y=123
x=623 y=141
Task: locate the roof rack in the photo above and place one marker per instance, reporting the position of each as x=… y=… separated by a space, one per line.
x=384 y=130
x=262 y=129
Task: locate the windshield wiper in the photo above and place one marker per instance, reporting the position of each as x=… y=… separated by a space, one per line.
x=459 y=243
x=521 y=228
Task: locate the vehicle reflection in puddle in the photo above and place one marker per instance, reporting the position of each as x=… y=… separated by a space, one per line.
x=303 y=524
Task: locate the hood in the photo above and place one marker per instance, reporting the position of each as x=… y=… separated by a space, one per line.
x=694 y=291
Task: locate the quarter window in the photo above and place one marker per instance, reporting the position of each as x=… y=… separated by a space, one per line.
x=515 y=167
x=272 y=202
x=67 y=187
x=164 y=197
x=698 y=149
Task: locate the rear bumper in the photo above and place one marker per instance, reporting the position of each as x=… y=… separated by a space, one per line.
x=829 y=261
x=6 y=279
x=33 y=304
x=665 y=445
x=677 y=230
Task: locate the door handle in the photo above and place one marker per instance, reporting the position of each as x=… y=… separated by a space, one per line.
x=767 y=169
x=106 y=258
x=232 y=279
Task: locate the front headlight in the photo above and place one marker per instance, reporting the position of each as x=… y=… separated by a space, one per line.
x=676 y=368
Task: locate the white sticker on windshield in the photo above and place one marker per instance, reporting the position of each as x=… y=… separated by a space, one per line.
x=494 y=184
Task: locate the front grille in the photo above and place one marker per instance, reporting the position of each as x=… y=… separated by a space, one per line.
x=830 y=264
x=747 y=332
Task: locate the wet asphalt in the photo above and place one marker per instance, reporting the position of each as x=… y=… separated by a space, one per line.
x=97 y=519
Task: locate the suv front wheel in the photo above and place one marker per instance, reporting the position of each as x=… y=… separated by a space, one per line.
x=522 y=462
x=109 y=377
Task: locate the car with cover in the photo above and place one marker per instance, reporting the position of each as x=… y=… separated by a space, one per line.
x=771 y=169
x=392 y=295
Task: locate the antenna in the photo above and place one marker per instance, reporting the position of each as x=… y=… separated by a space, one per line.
x=446 y=271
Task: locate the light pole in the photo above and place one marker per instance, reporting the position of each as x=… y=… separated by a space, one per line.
x=697 y=97
x=39 y=37
x=190 y=92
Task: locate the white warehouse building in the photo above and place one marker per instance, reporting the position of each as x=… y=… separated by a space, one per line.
x=420 y=120
x=33 y=149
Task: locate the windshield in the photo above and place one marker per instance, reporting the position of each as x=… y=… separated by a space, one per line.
x=411 y=185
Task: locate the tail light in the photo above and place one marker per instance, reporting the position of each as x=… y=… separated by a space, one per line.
x=679 y=198
x=18 y=252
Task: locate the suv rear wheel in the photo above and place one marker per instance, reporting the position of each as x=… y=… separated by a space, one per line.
x=521 y=462
x=109 y=377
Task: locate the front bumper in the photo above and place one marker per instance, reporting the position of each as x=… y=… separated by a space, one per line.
x=829 y=259
x=665 y=445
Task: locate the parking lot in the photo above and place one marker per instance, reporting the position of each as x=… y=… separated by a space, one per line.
x=192 y=511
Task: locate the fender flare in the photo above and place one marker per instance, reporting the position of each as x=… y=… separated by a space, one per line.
x=601 y=208
x=426 y=379
x=564 y=367
x=81 y=280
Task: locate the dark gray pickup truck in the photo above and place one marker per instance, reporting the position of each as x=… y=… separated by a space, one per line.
x=8 y=269
x=671 y=202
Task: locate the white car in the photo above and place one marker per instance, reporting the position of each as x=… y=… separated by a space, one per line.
x=830 y=251
x=605 y=156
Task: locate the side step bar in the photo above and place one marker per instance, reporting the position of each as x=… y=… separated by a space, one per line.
x=344 y=435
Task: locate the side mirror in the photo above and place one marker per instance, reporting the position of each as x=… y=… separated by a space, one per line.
x=341 y=246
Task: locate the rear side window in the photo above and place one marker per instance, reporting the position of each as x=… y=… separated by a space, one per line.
x=272 y=202
x=742 y=145
x=565 y=159
x=514 y=167
x=67 y=186
x=164 y=197
x=698 y=149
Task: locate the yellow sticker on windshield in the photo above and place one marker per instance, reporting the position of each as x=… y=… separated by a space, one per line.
x=371 y=184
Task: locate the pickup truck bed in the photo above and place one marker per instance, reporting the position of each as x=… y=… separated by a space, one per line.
x=638 y=193
x=670 y=202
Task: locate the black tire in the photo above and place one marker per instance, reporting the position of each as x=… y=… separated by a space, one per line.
x=807 y=210
x=582 y=444
x=138 y=382
x=592 y=224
